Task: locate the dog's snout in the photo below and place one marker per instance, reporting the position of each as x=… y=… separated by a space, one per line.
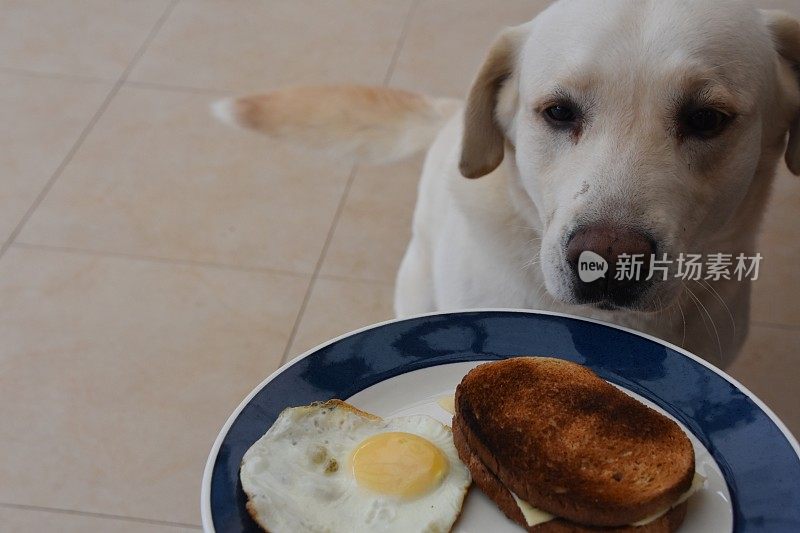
x=618 y=286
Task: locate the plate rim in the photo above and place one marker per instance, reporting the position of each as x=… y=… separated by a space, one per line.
x=207 y=522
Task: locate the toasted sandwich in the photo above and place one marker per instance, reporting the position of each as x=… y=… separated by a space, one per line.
x=559 y=449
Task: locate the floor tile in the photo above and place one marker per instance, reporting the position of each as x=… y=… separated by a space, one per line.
x=95 y=38
x=158 y=176
x=768 y=367
x=790 y=6
x=337 y=307
x=375 y=226
x=117 y=374
x=31 y=521
x=448 y=39
x=780 y=249
x=253 y=45
x=40 y=120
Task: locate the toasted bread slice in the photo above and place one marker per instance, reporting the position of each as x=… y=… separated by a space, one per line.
x=571 y=444
x=500 y=495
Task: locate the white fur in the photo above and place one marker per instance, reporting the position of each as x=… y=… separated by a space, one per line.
x=498 y=241
x=224 y=110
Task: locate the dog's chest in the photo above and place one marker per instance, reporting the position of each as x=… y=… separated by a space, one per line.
x=478 y=266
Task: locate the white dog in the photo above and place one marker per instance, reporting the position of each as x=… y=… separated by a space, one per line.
x=620 y=127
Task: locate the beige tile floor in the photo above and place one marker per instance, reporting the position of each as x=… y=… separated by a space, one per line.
x=155 y=265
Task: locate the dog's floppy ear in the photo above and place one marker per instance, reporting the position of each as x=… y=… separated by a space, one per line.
x=785 y=30
x=483 y=142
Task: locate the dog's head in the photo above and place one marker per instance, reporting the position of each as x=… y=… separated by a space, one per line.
x=635 y=128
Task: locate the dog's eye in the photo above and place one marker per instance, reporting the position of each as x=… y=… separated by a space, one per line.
x=560 y=114
x=704 y=122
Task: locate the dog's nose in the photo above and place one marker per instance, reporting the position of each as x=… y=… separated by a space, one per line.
x=619 y=286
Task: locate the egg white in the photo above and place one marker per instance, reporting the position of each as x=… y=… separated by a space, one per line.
x=298 y=478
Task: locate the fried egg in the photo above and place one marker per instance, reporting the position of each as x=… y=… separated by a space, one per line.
x=330 y=467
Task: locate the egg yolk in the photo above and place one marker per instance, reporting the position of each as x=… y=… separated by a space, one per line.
x=399 y=464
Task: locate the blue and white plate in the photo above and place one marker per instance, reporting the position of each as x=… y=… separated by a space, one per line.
x=750 y=460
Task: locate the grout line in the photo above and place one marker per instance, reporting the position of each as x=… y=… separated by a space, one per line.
x=774 y=325
x=177 y=88
x=88 y=128
x=318 y=266
x=343 y=199
x=56 y=75
x=353 y=279
x=401 y=41
x=127 y=83
x=156 y=259
x=191 y=262
x=98 y=515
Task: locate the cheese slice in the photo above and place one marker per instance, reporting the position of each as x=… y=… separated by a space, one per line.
x=448 y=403
x=697 y=483
x=534 y=516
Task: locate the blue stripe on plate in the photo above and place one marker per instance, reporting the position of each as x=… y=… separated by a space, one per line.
x=760 y=466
